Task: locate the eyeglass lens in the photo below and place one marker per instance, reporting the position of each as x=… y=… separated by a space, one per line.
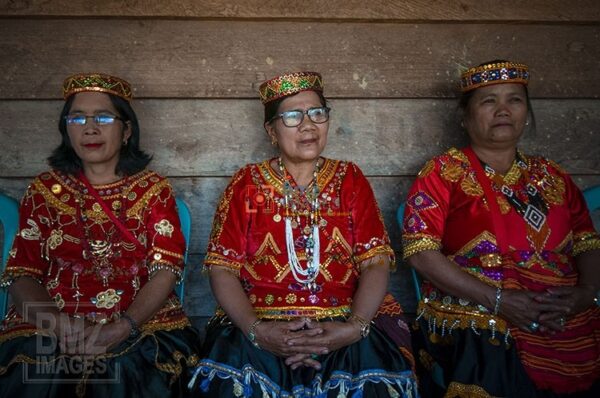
x=101 y=119
x=316 y=115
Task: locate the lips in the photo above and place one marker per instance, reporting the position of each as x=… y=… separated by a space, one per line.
x=92 y=145
x=309 y=141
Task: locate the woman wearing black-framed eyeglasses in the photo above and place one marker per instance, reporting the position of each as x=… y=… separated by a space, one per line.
x=299 y=261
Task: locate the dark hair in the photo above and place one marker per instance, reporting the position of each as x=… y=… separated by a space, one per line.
x=272 y=108
x=131 y=159
x=465 y=98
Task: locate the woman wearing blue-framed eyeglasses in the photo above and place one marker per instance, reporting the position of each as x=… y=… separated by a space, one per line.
x=94 y=264
x=299 y=261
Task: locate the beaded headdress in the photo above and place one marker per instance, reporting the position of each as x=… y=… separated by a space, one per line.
x=290 y=83
x=99 y=82
x=494 y=73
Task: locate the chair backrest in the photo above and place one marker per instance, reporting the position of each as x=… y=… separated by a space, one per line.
x=415 y=277
x=185 y=218
x=592 y=198
x=9 y=217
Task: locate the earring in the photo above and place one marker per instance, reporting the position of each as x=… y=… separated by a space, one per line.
x=125 y=142
x=527 y=122
x=462 y=124
x=273 y=141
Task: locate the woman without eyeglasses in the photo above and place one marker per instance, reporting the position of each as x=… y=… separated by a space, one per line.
x=509 y=255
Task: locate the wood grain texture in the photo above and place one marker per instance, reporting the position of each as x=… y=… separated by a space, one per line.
x=384 y=137
x=229 y=59
x=386 y=10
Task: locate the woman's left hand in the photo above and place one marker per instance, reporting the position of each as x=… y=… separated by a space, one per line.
x=335 y=335
x=575 y=299
x=99 y=339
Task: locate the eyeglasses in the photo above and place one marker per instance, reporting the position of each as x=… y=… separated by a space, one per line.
x=101 y=119
x=294 y=118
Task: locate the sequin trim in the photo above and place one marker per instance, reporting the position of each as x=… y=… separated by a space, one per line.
x=411 y=247
x=454 y=316
x=465 y=390
x=399 y=384
x=585 y=242
x=375 y=251
x=297 y=312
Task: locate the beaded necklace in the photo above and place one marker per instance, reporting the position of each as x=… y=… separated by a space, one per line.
x=310 y=233
x=101 y=251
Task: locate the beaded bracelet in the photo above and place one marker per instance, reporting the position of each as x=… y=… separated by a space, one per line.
x=252 y=333
x=365 y=327
x=498 y=300
x=135 y=330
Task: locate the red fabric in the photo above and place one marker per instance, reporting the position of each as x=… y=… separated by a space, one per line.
x=50 y=243
x=446 y=208
x=246 y=238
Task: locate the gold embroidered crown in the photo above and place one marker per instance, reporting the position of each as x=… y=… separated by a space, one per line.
x=96 y=82
x=290 y=83
x=494 y=73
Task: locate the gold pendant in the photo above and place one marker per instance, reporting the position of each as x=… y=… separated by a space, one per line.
x=277 y=218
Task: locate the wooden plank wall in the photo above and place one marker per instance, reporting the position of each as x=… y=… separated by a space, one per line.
x=389 y=67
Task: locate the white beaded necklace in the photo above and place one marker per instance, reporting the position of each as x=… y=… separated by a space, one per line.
x=312 y=244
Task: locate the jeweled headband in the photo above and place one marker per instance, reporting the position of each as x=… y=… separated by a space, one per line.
x=495 y=73
x=290 y=83
x=99 y=82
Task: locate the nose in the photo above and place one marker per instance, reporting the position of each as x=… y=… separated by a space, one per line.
x=306 y=123
x=90 y=127
x=502 y=109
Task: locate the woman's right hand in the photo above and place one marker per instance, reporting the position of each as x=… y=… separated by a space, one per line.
x=70 y=332
x=275 y=336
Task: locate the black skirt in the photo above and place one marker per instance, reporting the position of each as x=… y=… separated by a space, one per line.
x=152 y=365
x=233 y=367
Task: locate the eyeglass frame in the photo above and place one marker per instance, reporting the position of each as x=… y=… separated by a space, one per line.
x=92 y=117
x=280 y=115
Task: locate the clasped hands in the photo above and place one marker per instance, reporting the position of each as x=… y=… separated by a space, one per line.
x=546 y=312
x=301 y=341
x=78 y=336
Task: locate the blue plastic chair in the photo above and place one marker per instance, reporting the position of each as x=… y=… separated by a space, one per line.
x=415 y=277
x=592 y=198
x=9 y=217
x=437 y=373
x=185 y=219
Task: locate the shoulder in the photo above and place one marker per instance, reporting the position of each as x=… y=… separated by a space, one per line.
x=451 y=165
x=149 y=181
x=52 y=182
x=536 y=162
x=342 y=167
x=245 y=172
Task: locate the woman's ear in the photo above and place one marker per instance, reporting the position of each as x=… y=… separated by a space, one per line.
x=271 y=132
x=126 y=131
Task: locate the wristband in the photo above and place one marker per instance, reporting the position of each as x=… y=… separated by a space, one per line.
x=498 y=300
x=134 y=329
x=252 y=333
x=365 y=326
